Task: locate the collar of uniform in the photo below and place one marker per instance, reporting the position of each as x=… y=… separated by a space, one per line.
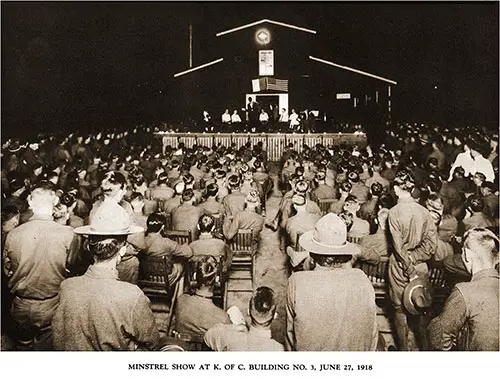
x=204 y=294
x=42 y=217
x=490 y=272
x=260 y=332
x=97 y=272
x=406 y=200
x=205 y=236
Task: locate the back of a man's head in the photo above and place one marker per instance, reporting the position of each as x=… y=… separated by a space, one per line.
x=475 y=203
x=206 y=223
x=42 y=196
x=106 y=247
x=206 y=271
x=212 y=189
x=263 y=306
x=483 y=244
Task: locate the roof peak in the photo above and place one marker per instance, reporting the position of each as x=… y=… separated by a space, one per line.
x=286 y=25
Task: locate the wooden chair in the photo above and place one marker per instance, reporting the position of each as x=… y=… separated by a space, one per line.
x=241 y=274
x=439 y=283
x=241 y=245
x=218 y=221
x=377 y=274
x=153 y=280
x=168 y=221
x=355 y=238
x=324 y=205
x=181 y=237
x=297 y=247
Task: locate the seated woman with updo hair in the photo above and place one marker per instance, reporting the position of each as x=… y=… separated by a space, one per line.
x=197 y=313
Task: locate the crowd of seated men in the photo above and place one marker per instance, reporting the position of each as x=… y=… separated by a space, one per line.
x=80 y=211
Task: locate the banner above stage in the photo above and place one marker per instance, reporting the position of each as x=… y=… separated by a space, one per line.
x=267 y=83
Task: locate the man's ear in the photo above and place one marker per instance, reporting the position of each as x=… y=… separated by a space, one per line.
x=55 y=202
x=122 y=251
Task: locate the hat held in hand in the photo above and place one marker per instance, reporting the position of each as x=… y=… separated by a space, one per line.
x=417 y=296
x=109 y=219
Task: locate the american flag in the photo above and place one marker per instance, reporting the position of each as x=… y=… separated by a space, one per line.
x=275 y=84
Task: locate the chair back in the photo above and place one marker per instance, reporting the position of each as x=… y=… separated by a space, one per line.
x=180 y=237
x=355 y=238
x=153 y=274
x=241 y=244
x=218 y=220
x=377 y=273
x=298 y=248
x=324 y=205
x=440 y=285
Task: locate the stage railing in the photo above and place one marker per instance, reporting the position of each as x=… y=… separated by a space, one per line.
x=273 y=144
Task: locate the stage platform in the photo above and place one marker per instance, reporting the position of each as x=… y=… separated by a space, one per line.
x=274 y=144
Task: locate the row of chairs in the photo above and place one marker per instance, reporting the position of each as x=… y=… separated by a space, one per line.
x=377 y=274
x=154 y=272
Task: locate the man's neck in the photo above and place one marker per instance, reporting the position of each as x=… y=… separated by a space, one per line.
x=42 y=213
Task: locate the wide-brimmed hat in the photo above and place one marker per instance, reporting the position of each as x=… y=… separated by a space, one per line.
x=329 y=237
x=109 y=219
x=417 y=296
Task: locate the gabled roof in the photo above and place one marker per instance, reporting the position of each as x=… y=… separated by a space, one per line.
x=199 y=67
x=265 y=21
x=353 y=70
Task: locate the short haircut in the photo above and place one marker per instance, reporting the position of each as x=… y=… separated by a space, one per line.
x=351 y=199
x=346 y=187
x=348 y=219
x=8 y=212
x=262 y=305
x=333 y=261
x=475 y=203
x=104 y=247
x=187 y=195
x=154 y=222
x=206 y=223
x=482 y=241
x=376 y=189
x=480 y=175
x=206 y=271
x=212 y=189
x=404 y=180
x=59 y=211
x=136 y=195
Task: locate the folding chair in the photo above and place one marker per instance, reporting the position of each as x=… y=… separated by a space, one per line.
x=324 y=205
x=153 y=280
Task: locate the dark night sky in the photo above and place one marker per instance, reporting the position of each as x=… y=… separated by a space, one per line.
x=75 y=64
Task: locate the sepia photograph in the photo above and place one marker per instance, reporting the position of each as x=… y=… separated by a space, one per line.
x=249 y=177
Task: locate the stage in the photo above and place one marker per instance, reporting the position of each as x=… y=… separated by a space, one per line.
x=274 y=144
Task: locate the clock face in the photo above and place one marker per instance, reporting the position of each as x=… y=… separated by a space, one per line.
x=263 y=36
